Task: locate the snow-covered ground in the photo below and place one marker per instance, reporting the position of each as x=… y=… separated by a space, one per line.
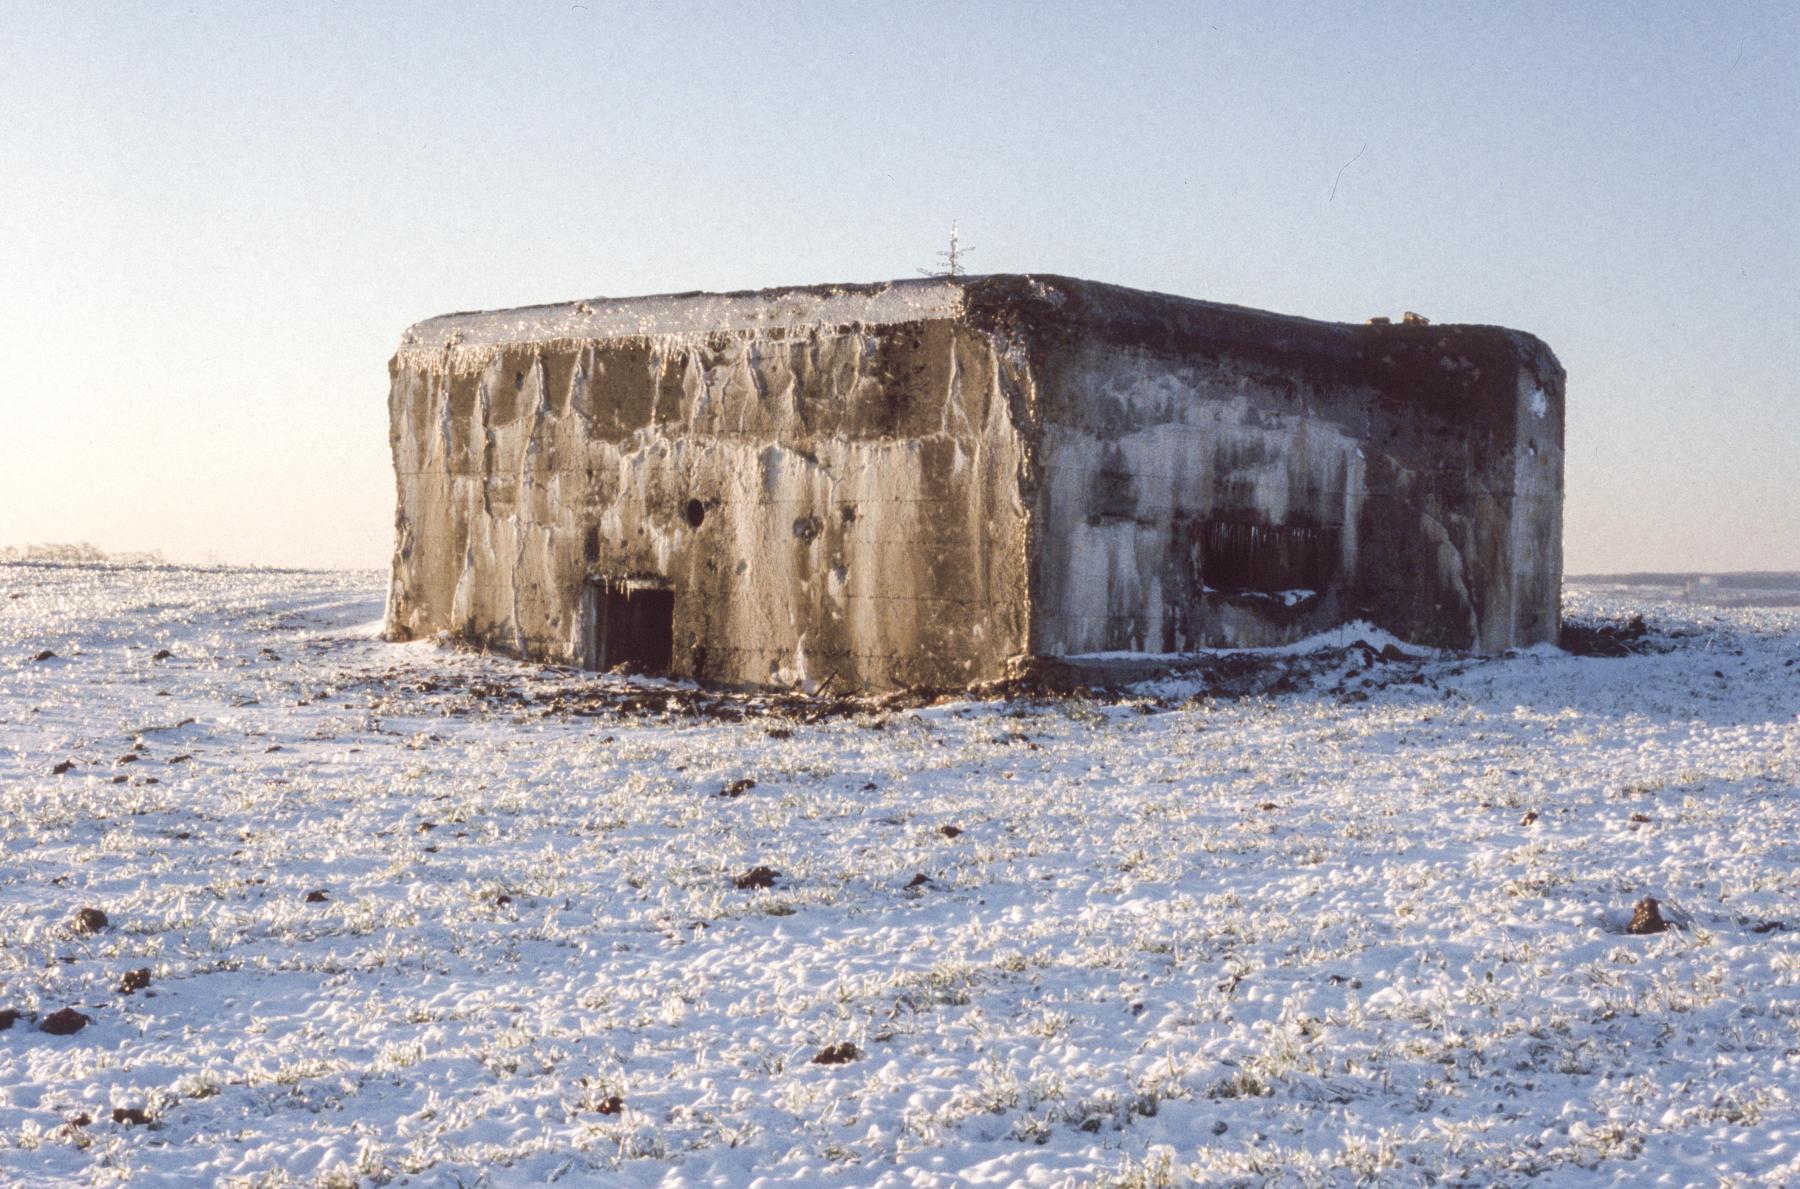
x=413 y=914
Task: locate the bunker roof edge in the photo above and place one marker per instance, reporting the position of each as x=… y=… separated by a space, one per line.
x=1036 y=305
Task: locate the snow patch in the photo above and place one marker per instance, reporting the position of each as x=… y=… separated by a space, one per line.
x=1372 y=936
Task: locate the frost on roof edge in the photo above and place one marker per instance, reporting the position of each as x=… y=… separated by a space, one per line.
x=684 y=314
x=1132 y=317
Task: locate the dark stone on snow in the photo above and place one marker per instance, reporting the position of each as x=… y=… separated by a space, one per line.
x=8 y=1017
x=317 y=896
x=135 y=981
x=45 y=655
x=62 y=766
x=66 y=1022
x=1647 y=918
x=737 y=788
x=1606 y=637
x=838 y=1054
x=757 y=877
x=130 y=1115
x=611 y=1105
x=88 y=920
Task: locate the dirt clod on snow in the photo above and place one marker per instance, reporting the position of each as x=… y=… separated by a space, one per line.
x=1647 y=918
x=1606 y=637
x=66 y=1022
x=838 y=1054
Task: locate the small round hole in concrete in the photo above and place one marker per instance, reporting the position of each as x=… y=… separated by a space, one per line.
x=695 y=512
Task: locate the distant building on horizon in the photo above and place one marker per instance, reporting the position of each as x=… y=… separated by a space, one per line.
x=933 y=481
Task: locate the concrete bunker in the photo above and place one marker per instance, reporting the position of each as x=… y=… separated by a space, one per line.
x=933 y=482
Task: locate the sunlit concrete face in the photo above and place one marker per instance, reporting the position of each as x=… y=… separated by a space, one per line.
x=826 y=483
x=929 y=482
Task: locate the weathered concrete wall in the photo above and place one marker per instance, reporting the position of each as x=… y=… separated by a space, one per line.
x=874 y=486
x=856 y=490
x=1410 y=475
x=1462 y=527
x=1136 y=477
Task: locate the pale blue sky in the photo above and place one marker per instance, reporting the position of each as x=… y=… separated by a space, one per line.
x=216 y=219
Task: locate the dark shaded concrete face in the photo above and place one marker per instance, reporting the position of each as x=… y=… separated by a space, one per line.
x=918 y=483
x=832 y=509
x=1227 y=478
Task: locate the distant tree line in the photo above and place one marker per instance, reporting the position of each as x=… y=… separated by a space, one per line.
x=79 y=553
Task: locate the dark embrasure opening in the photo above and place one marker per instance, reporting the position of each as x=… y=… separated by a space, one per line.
x=631 y=625
x=1267 y=559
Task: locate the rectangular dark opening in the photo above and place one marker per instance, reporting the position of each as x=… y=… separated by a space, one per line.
x=1238 y=557
x=632 y=625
